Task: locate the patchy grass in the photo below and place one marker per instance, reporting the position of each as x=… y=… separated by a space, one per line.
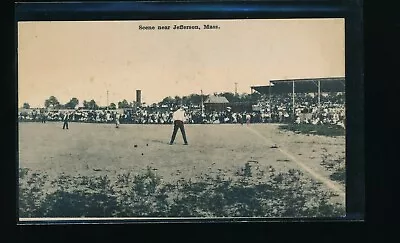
x=324 y=130
x=337 y=167
x=339 y=175
x=289 y=194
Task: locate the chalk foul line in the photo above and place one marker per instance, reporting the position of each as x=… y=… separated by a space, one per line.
x=314 y=174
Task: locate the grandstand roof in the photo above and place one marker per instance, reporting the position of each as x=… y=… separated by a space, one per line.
x=309 y=85
x=212 y=99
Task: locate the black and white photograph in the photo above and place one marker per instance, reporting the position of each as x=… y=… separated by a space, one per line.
x=240 y=118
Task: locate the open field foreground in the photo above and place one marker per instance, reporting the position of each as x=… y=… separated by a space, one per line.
x=256 y=170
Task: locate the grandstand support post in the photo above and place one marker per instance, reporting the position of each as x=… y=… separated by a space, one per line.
x=319 y=95
x=270 y=105
x=293 y=99
x=202 y=102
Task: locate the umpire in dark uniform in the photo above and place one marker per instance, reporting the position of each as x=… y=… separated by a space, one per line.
x=66 y=119
x=179 y=119
x=43 y=116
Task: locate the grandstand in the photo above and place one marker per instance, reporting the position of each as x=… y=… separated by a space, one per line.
x=310 y=85
x=314 y=85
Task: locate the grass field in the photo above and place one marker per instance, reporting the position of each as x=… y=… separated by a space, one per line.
x=96 y=150
x=325 y=130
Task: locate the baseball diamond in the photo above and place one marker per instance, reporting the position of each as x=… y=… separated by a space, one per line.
x=100 y=149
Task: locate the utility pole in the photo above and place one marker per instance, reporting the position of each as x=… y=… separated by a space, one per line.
x=107 y=101
x=236 y=89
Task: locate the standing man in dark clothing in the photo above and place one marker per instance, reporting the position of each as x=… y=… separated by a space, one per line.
x=43 y=116
x=179 y=119
x=66 y=119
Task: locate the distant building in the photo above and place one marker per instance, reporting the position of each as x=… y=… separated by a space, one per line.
x=79 y=106
x=216 y=103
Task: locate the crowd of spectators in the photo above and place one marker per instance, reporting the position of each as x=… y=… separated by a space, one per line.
x=275 y=110
x=307 y=109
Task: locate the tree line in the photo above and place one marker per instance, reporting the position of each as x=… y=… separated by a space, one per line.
x=192 y=99
x=196 y=99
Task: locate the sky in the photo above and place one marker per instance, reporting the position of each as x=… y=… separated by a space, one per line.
x=85 y=59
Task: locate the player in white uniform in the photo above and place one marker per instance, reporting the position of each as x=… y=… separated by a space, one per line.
x=248 y=119
x=179 y=118
x=117 y=116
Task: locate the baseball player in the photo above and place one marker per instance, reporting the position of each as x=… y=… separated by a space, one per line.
x=117 y=116
x=66 y=119
x=179 y=118
x=248 y=118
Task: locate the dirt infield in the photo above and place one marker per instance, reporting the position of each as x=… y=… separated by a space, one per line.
x=102 y=149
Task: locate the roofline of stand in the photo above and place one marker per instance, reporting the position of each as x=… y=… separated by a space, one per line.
x=309 y=79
